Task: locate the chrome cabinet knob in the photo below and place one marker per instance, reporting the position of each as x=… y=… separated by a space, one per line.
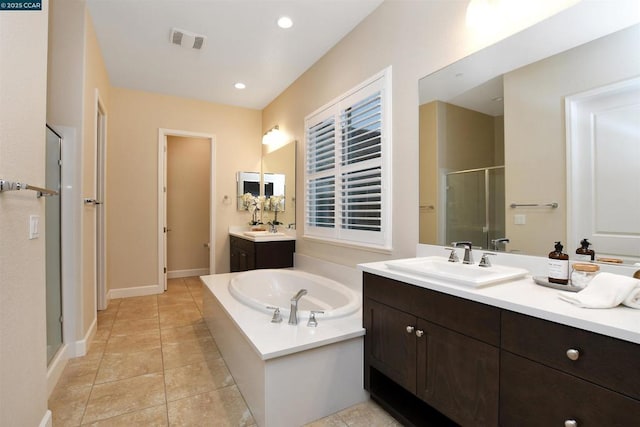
x=419 y=333
x=573 y=354
x=410 y=329
x=570 y=423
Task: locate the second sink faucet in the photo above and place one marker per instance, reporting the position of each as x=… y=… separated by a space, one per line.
x=293 y=314
x=468 y=257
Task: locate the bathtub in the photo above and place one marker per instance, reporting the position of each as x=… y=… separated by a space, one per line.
x=289 y=375
x=260 y=289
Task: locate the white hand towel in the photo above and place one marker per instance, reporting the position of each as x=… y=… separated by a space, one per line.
x=606 y=290
x=633 y=299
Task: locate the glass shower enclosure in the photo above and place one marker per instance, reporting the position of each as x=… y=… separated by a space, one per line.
x=475 y=206
x=52 y=244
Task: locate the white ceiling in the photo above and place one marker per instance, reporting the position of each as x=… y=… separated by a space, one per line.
x=243 y=44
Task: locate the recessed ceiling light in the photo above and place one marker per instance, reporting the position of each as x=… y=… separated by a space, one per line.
x=285 y=22
x=239 y=85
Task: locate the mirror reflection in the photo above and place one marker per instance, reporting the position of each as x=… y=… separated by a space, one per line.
x=279 y=175
x=514 y=125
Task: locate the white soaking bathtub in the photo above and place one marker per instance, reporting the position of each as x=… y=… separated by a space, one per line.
x=289 y=375
x=260 y=289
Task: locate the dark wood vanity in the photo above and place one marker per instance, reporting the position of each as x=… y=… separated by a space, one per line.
x=434 y=359
x=250 y=255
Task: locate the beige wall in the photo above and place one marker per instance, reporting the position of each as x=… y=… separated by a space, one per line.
x=23 y=91
x=132 y=182
x=188 y=196
x=535 y=151
x=415 y=38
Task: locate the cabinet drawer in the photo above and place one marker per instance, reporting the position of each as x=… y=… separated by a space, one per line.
x=470 y=318
x=607 y=361
x=535 y=395
x=243 y=244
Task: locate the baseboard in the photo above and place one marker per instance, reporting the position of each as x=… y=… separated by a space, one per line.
x=137 y=291
x=176 y=274
x=81 y=347
x=47 y=420
x=54 y=371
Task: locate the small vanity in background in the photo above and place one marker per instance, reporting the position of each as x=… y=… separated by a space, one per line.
x=251 y=250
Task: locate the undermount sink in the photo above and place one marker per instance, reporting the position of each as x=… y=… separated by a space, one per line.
x=457 y=272
x=262 y=233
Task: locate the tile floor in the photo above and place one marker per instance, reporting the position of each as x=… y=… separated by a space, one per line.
x=153 y=362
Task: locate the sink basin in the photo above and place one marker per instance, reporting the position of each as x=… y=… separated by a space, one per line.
x=457 y=272
x=262 y=233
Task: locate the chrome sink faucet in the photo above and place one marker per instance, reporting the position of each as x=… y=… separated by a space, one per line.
x=496 y=243
x=293 y=314
x=468 y=257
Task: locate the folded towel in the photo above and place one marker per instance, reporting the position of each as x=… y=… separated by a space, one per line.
x=607 y=290
x=633 y=299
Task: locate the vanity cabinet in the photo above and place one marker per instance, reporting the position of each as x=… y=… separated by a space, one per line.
x=581 y=378
x=249 y=255
x=434 y=359
x=436 y=347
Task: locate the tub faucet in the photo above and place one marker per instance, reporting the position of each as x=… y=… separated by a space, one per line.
x=293 y=314
x=468 y=258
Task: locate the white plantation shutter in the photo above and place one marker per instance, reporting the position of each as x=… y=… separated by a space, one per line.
x=347 y=167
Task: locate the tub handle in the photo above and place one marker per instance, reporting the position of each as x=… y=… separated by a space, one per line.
x=312 y=323
x=277 y=317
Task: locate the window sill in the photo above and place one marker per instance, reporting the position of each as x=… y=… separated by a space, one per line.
x=350 y=245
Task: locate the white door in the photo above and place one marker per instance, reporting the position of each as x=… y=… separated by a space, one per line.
x=604 y=161
x=101 y=244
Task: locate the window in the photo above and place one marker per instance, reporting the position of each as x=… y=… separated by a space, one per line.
x=347 y=172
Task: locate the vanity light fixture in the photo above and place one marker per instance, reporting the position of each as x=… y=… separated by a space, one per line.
x=273 y=136
x=239 y=85
x=285 y=22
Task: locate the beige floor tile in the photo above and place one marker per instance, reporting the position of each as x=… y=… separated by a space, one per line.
x=80 y=371
x=367 y=414
x=144 y=301
x=67 y=405
x=150 y=417
x=96 y=348
x=330 y=421
x=102 y=334
x=185 y=315
x=223 y=407
x=120 y=397
x=175 y=299
x=137 y=341
x=178 y=334
x=124 y=327
x=137 y=313
x=118 y=366
x=189 y=352
x=193 y=283
x=197 y=378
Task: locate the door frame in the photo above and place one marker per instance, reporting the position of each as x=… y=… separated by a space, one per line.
x=100 y=168
x=162 y=203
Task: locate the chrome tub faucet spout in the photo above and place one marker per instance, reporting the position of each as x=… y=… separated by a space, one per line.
x=293 y=314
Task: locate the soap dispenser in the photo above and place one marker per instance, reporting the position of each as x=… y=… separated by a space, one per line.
x=558 y=266
x=583 y=253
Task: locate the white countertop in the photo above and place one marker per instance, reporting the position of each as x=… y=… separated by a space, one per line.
x=258 y=329
x=268 y=237
x=524 y=296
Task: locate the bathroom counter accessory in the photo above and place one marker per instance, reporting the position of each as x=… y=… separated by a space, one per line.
x=543 y=281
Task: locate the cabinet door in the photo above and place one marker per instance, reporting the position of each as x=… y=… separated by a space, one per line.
x=458 y=375
x=390 y=343
x=534 y=395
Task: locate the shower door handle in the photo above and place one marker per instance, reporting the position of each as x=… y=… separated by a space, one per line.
x=92 y=202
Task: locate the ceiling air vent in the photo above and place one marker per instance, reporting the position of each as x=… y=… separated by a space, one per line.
x=187 y=39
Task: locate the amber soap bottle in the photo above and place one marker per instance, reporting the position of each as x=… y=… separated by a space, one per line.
x=583 y=253
x=558 y=266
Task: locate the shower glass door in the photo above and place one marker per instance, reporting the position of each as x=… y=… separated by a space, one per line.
x=53 y=249
x=475 y=206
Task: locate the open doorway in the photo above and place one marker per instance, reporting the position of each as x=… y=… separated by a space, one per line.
x=186 y=211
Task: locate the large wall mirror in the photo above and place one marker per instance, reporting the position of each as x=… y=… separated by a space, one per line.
x=276 y=182
x=494 y=159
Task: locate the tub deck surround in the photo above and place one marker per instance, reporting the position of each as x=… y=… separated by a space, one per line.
x=257 y=328
x=525 y=297
x=288 y=374
x=282 y=235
